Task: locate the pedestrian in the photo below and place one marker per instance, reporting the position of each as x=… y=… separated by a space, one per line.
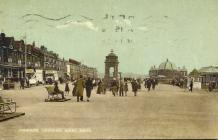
x=145 y=84
x=121 y=87
x=104 y=86
x=134 y=87
x=58 y=91
x=153 y=83
x=191 y=85
x=67 y=89
x=89 y=87
x=22 y=83
x=156 y=81
x=80 y=85
x=74 y=88
x=181 y=82
x=114 y=87
x=149 y=84
x=173 y=82
x=27 y=82
x=126 y=88
x=210 y=86
x=100 y=88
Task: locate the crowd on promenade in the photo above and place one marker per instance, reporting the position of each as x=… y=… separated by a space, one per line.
x=116 y=87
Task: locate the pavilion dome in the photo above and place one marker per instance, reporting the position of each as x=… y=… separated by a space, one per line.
x=112 y=54
x=167 y=65
x=111 y=58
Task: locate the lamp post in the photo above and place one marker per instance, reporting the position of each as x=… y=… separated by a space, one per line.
x=120 y=76
x=25 y=57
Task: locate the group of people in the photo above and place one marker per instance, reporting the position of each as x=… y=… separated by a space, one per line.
x=101 y=87
x=79 y=86
x=119 y=86
x=187 y=83
x=150 y=83
x=78 y=89
x=122 y=86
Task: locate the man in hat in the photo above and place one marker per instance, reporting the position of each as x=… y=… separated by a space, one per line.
x=89 y=87
x=114 y=87
x=80 y=85
x=121 y=87
x=134 y=87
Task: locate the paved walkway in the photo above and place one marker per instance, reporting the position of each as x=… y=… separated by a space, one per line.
x=167 y=112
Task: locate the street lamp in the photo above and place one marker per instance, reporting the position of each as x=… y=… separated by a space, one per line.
x=25 y=57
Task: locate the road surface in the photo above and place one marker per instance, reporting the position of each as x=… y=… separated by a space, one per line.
x=167 y=112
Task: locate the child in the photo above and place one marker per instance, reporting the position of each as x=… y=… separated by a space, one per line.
x=67 y=89
x=126 y=88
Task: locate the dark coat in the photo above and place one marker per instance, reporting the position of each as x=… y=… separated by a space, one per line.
x=148 y=83
x=67 y=89
x=134 y=86
x=89 y=87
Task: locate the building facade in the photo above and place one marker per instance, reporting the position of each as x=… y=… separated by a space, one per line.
x=13 y=64
x=75 y=69
x=207 y=75
x=11 y=58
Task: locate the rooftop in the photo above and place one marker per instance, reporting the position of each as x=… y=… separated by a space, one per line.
x=209 y=70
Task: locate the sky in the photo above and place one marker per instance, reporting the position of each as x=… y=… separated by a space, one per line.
x=142 y=33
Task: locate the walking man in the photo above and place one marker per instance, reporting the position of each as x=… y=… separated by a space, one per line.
x=89 y=87
x=134 y=87
x=67 y=89
x=22 y=82
x=80 y=85
x=149 y=84
x=114 y=87
x=191 y=85
x=121 y=87
x=153 y=83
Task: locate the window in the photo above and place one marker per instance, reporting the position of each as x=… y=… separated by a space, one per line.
x=10 y=60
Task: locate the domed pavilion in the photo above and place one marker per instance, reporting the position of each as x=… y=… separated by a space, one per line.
x=167 y=71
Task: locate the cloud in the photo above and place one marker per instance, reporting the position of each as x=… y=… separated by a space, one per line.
x=87 y=24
